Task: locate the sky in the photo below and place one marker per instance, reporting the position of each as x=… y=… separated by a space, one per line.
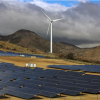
x=81 y=26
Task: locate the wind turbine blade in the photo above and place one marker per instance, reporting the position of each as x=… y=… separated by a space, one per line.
x=48 y=28
x=46 y=15
x=58 y=19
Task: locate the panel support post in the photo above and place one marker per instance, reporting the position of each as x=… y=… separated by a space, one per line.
x=36 y=96
x=64 y=98
x=50 y=96
x=9 y=95
x=81 y=97
x=22 y=95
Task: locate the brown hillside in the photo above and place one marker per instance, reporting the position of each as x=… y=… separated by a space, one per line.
x=6 y=46
x=31 y=40
x=68 y=44
x=93 y=54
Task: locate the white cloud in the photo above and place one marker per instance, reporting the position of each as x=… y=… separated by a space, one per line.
x=8 y=0
x=49 y=7
x=84 y=1
x=88 y=45
x=81 y=26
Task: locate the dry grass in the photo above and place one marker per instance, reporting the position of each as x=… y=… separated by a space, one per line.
x=21 y=61
x=6 y=46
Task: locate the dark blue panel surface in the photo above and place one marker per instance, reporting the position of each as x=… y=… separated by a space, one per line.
x=48 y=94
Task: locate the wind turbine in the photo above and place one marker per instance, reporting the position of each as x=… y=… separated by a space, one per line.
x=50 y=24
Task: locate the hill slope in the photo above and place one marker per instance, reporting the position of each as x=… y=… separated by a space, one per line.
x=68 y=44
x=93 y=54
x=31 y=40
x=6 y=46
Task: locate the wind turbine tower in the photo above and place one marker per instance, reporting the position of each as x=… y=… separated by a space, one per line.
x=50 y=24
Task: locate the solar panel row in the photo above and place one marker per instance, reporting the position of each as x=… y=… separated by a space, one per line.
x=88 y=68
x=8 y=53
x=45 y=82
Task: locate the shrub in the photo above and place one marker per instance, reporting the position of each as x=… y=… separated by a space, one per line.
x=14 y=49
x=7 y=48
x=1 y=46
x=70 y=56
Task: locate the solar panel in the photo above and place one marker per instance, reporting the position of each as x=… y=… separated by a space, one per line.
x=44 y=88
x=18 y=83
x=32 y=86
x=95 y=91
x=48 y=94
x=46 y=81
x=32 y=82
x=20 y=94
x=54 y=90
x=27 y=95
x=73 y=93
x=2 y=53
x=88 y=68
x=2 y=92
x=29 y=90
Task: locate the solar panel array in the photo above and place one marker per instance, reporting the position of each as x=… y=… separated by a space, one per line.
x=25 y=82
x=9 y=53
x=86 y=68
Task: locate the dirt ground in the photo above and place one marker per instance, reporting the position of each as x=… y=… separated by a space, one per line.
x=42 y=63
x=21 y=61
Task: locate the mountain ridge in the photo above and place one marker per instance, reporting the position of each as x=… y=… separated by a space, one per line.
x=69 y=44
x=31 y=40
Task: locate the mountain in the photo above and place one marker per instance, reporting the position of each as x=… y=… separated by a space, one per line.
x=31 y=40
x=68 y=44
x=25 y=38
x=6 y=46
x=93 y=54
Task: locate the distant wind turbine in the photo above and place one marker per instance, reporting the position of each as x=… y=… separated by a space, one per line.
x=50 y=24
